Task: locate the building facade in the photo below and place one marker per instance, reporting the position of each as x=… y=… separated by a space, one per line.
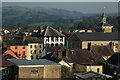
x=20 y=50
x=53 y=38
x=82 y=40
x=35 y=47
x=37 y=69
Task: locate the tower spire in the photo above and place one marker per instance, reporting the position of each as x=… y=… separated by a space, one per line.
x=103 y=16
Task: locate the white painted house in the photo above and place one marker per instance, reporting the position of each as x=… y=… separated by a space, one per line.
x=53 y=38
x=50 y=36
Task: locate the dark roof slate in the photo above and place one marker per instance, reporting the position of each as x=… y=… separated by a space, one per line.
x=98 y=36
x=33 y=40
x=102 y=50
x=49 y=31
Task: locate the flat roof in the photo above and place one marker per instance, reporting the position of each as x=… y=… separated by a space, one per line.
x=32 y=63
x=86 y=75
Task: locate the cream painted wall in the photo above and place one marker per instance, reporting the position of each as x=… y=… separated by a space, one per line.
x=94 y=68
x=85 y=44
x=38 y=49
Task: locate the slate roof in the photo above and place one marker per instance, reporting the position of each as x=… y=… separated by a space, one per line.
x=81 y=56
x=49 y=31
x=78 y=56
x=24 y=62
x=33 y=40
x=115 y=59
x=91 y=74
x=98 y=36
x=102 y=50
x=15 y=42
x=68 y=34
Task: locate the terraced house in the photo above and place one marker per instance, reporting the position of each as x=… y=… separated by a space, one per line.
x=35 y=47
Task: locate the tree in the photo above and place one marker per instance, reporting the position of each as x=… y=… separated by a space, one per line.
x=66 y=73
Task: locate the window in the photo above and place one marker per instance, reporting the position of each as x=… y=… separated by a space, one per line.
x=47 y=44
x=34 y=71
x=24 y=57
x=30 y=46
x=116 y=45
x=47 y=38
x=52 y=44
x=40 y=46
x=31 y=51
x=40 y=51
x=23 y=52
x=56 y=44
x=61 y=44
x=5 y=72
x=31 y=57
x=23 y=47
x=52 y=39
x=98 y=70
x=73 y=66
x=37 y=57
x=35 y=46
x=61 y=38
x=15 y=47
x=56 y=39
x=35 y=51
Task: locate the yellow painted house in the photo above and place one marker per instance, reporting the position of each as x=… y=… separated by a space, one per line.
x=35 y=47
x=89 y=67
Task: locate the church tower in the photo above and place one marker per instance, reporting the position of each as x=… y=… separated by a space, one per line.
x=104 y=26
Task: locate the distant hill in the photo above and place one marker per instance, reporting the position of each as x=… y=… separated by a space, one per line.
x=31 y=17
x=19 y=15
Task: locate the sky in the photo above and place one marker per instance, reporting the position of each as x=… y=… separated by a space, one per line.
x=60 y=0
x=85 y=7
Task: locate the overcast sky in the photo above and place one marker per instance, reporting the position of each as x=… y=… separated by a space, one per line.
x=60 y=0
x=85 y=7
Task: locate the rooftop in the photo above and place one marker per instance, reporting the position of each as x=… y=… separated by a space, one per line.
x=98 y=36
x=88 y=75
x=33 y=40
x=49 y=31
x=39 y=62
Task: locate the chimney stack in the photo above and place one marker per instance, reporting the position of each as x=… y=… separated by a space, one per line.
x=40 y=28
x=89 y=46
x=59 y=29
